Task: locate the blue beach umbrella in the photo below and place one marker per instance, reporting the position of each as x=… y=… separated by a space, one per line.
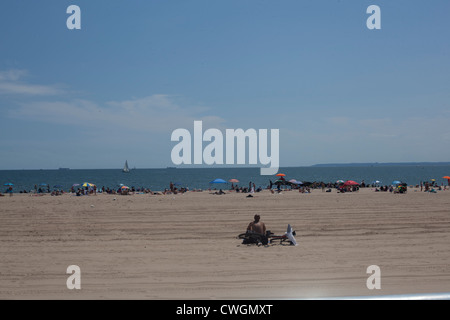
x=9 y=184
x=218 y=181
x=396 y=182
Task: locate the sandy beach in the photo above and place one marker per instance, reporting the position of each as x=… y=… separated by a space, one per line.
x=184 y=246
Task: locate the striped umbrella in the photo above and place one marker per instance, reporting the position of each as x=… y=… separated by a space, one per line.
x=88 y=184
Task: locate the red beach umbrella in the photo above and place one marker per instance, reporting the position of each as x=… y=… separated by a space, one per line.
x=351 y=183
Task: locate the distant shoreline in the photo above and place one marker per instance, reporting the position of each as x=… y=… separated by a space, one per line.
x=319 y=165
x=382 y=164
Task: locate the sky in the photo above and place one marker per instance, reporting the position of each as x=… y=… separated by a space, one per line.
x=117 y=88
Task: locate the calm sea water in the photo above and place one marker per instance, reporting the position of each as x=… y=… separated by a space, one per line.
x=159 y=179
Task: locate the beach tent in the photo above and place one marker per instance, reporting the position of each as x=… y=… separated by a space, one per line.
x=218 y=181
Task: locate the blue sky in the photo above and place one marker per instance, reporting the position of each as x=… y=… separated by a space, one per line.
x=137 y=70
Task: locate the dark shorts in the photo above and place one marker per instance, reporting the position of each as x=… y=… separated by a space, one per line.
x=255 y=238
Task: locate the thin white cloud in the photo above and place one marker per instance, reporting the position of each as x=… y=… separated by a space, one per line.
x=27 y=89
x=155 y=113
x=339 y=121
x=11 y=82
x=376 y=123
x=12 y=75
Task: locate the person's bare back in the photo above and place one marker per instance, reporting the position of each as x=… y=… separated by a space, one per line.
x=257 y=225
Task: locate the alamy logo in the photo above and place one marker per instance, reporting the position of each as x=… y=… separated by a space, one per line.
x=74 y=280
x=74 y=21
x=213 y=153
x=374 y=280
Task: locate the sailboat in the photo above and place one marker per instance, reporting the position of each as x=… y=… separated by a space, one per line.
x=125 y=168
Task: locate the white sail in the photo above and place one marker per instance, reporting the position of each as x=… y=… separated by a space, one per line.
x=125 y=168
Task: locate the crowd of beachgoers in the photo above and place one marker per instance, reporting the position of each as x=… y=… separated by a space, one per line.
x=274 y=187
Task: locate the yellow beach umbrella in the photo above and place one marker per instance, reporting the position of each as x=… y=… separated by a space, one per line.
x=88 y=184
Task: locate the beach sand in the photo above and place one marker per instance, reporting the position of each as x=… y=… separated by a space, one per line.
x=184 y=246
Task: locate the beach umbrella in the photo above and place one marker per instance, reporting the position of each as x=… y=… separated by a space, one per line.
x=8 y=184
x=282 y=182
x=75 y=185
x=351 y=183
x=340 y=181
x=236 y=180
x=396 y=182
x=376 y=182
x=88 y=184
x=280 y=175
x=446 y=177
x=218 y=181
x=124 y=187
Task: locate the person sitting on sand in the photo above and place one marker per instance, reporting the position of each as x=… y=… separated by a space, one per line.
x=259 y=228
x=257 y=225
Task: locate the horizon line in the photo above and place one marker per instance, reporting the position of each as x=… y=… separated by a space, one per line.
x=344 y=164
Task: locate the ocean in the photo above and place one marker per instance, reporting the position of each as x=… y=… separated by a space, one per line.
x=200 y=178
